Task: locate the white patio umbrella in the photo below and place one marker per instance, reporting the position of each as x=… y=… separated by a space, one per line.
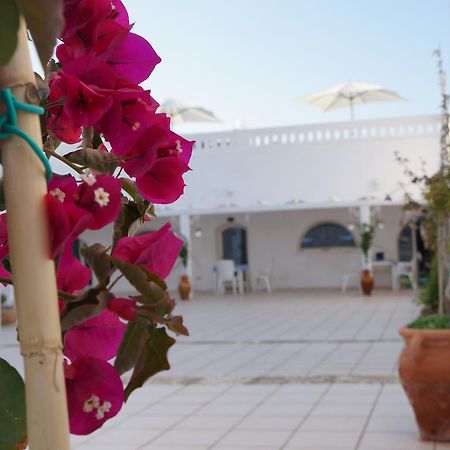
x=180 y=112
x=349 y=94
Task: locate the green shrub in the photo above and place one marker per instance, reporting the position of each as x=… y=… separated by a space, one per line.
x=429 y=297
x=433 y=322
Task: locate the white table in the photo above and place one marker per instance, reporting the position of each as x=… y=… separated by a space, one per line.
x=390 y=265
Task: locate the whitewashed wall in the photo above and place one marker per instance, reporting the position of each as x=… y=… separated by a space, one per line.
x=276 y=236
x=314 y=163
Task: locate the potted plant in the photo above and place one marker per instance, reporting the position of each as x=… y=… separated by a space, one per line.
x=184 y=286
x=367 y=234
x=9 y=315
x=424 y=365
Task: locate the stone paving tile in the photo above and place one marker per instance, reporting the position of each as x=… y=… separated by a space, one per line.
x=393 y=441
x=324 y=439
x=256 y=362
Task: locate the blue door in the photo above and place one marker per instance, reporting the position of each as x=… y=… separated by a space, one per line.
x=234 y=242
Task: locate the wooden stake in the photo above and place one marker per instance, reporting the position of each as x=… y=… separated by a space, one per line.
x=34 y=272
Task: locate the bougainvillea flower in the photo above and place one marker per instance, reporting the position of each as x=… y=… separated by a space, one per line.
x=158 y=161
x=71 y=275
x=94 y=394
x=66 y=219
x=4 y=247
x=125 y=308
x=84 y=105
x=127 y=120
x=132 y=57
x=100 y=195
x=98 y=337
x=156 y=250
x=82 y=17
x=58 y=121
x=163 y=183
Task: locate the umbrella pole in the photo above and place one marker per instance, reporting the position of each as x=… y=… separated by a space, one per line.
x=352 y=117
x=34 y=271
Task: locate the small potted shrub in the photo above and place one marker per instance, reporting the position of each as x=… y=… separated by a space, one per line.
x=424 y=369
x=184 y=286
x=424 y=365
x=366 y=238
x=9 y=315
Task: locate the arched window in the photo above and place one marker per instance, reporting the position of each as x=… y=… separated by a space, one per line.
x=327 y=235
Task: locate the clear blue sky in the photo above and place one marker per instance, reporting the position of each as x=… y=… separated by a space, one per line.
x=249 y=59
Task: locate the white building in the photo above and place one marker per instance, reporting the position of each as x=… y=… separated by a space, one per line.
x=258 y=196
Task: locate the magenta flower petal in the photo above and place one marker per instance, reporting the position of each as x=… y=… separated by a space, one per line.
x=94 y=394
x=133 y=58
x=163 y=183
x=71 y=275
x=156 y=250
x=102 y=199
x=98 y=337
x=125 y=308
x=4 y=247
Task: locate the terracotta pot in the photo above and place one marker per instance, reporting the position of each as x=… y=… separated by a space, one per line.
x=184 y=287
x=367 y=282
x=424 y=369
x=9 y=315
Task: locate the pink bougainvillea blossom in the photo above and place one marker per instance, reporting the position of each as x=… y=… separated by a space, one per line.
x=125 y=308
x=94 y=394
x=4 y=247
x=100 y=195
x=132 y=57
x=98 y=337
x=71 y=275
x=158 y=161
x=132 y=112
x=67 y=220
x=156 y=250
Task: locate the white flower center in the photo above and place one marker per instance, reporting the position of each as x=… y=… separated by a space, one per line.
x=135 y=126
x=89 y=178
x=101 y=197
x=93 y=403
x=178 y=147
x=59 y=194
x=102 y=409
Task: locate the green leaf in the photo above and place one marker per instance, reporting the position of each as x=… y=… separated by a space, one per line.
x=176 y=325
x=88 y=305
x=98 y=260
x=148 y=284
x=142 y=205
x=133 y=340
x=13 y=427
x=44 y=19
x=152 y=358
x=129 y=214
x=9 y=24
x=99 y=160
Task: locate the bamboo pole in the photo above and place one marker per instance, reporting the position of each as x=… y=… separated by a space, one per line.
x=34 y=272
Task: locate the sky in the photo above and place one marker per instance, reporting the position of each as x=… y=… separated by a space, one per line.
x=248 y=60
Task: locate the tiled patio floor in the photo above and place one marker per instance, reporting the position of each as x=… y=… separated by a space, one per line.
x=294 y=370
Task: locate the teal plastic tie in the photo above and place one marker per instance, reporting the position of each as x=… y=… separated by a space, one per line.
x=8 y=125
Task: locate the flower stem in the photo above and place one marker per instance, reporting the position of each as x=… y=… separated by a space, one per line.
x=114 y=282
x=64 y=160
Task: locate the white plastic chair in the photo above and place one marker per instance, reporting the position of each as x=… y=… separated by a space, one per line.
x=404 y=269
x=265 y=278
x=226 y=273
x=351 y=277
